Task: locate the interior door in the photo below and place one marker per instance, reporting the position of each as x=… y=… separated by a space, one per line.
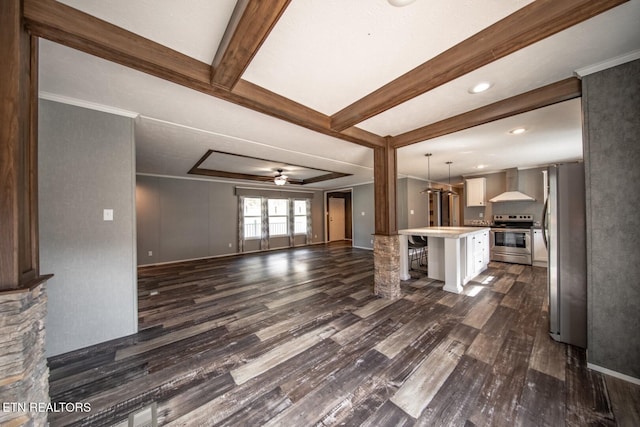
x=336 y=219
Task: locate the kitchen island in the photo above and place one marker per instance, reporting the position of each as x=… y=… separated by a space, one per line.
x=455 y=254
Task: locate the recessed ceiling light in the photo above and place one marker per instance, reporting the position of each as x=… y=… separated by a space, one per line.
x=481 y=166
x=517 y=131
x=400 y=3
x=480 y=87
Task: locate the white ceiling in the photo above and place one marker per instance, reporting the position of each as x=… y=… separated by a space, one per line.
x=327 y=54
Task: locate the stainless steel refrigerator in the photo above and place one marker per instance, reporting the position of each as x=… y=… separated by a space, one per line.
x=564 y=231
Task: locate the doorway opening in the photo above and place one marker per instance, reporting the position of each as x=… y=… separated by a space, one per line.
x=339 y=216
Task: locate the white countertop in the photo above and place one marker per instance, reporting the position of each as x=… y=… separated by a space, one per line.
x=448 y=232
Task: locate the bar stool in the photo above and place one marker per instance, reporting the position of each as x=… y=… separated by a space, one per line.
x=417 y=250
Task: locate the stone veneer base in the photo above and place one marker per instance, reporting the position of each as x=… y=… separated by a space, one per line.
x=386 y=259
x=24 y=374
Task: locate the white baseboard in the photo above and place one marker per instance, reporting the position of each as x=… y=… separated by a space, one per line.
x=615 y=374
x=363 y=247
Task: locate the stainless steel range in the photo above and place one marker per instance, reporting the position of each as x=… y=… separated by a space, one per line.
x=511 y=238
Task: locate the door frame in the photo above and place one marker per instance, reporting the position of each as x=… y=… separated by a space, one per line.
x=347 y=221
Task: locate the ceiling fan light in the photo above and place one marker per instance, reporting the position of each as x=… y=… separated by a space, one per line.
x=280 y=179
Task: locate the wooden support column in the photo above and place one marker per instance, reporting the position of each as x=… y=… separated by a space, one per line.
x=23 y=372
x=386 y=248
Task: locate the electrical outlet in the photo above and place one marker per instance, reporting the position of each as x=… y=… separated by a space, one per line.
x=150 y=253
x=107 y=215
x=481 y=214
x=362 y=214
x=315 y=236
x=372 y=241
x=411 y=211
x=229 y=244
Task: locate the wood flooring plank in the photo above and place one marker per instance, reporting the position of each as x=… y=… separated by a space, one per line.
x=173 y=337
x=587 y=399
x=373 y=307
x=486 y=345
x=504 y=283
x=311 y=409
x=513 y=299
x=224 y=406
x=358 y=295
x=293 y=297
x=362 y=327
x=389 y=415
x=280 y=354
x=416 y=393
x=482 y=311
x=497 y=403
x=299 y=387
x=456 y=399
x=365 y=400
x=548 y=356
x=463 y=333
x=542 y=401
x=404 y=336
x=260 y=411
x=625 y=399
x=449 y=299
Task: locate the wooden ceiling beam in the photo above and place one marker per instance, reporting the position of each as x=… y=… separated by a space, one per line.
x=70 y=27
x=542 y=97
x=532 y=23
x=249 y=26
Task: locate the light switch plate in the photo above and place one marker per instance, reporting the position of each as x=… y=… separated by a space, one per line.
x=107 y=215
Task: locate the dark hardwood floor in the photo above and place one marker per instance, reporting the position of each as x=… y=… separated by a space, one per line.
x=296 y=338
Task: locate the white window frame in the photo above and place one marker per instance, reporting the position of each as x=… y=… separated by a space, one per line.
x=284 y=215
x=296 y=215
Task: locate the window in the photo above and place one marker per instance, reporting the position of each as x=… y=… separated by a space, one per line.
x=252 y=217
x=300 y=217
x=278 y=210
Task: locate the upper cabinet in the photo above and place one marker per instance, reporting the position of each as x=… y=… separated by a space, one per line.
x=476 y=189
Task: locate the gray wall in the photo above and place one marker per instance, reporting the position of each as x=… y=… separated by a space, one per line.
x=86 y=164
x=611 y=110
x=401 y=203
x=180 y=219
x=408 y=198
x=530 y=182
x=363 y=225
x=414 y=201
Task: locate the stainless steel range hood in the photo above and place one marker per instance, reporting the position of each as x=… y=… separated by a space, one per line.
x=512 y=194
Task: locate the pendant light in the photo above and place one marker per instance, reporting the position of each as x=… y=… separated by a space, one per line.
x=429 y=189
x=449 y=191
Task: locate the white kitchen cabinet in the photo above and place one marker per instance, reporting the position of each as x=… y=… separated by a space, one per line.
x=539 y=253
x=476 y=190
x=477 y=253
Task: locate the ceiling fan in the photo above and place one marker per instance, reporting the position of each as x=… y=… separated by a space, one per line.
x=280 y=178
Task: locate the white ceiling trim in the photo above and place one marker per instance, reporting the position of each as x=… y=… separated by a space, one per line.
x=87 y=104
x=609 y=63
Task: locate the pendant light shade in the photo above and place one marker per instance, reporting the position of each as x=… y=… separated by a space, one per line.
x=450 y=191
x=429 y=189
